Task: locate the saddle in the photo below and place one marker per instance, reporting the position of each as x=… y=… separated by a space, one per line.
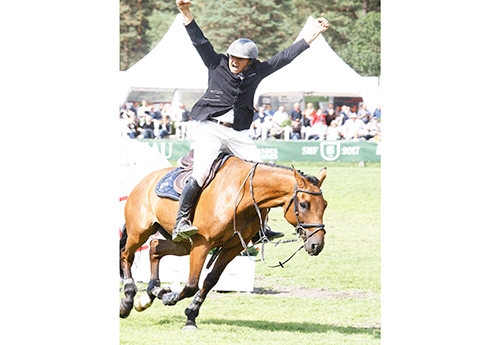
x=172 y=184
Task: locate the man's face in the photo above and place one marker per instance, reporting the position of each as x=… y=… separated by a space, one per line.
x=238 y=65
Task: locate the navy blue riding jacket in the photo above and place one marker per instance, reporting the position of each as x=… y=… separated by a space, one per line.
x=227 y=90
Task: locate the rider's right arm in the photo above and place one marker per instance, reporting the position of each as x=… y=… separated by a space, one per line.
x=210 y=58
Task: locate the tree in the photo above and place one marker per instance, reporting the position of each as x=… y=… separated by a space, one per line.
x=142 y=25
x=133 y=26
x=362 y=51
x=266 y=22
x=354 y=32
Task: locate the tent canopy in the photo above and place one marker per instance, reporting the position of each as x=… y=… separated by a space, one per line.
x=318 y=71
x=173 y=64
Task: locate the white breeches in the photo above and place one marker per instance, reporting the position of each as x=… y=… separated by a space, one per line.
x=212 y=138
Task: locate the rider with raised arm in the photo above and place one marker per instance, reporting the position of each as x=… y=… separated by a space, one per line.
x=226 y=111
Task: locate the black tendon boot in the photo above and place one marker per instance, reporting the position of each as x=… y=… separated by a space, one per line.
x=271 y=235
x=183 y=228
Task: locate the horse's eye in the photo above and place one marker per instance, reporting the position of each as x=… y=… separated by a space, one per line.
x=304 y=205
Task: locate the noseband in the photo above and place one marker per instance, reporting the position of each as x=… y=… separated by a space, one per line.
x=301 y=227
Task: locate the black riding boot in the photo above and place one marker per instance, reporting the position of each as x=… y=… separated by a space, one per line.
x=271 y=235
x=183 y=228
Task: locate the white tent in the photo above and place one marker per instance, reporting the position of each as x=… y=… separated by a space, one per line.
x=317 y=71
x=172 y=65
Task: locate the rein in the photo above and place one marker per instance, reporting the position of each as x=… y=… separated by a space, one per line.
x=299 y=229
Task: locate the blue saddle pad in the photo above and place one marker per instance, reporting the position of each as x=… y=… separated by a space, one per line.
x=165 y=188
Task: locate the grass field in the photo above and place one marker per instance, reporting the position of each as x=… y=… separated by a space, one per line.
x=333 y=298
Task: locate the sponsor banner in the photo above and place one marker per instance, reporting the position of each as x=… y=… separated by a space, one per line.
x=305 y=150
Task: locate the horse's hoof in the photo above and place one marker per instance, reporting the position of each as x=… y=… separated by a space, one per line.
x=190 y=328
x=170 y=298
x=124 y=309
x=143 y=303
x=159 y=292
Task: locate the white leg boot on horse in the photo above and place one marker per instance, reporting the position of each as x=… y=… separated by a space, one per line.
x=183 y=228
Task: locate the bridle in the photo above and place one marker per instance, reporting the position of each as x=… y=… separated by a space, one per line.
x=301 y=227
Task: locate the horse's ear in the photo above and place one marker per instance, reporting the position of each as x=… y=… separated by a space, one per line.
x=301 y=183
x=322 y=176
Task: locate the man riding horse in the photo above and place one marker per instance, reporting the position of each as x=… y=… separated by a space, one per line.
x=225 y=111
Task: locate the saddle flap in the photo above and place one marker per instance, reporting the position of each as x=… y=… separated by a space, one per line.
x=172 y=184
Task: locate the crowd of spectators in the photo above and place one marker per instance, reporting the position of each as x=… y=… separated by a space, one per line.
x=155 y=121
x=343 y=123
x=162 y=120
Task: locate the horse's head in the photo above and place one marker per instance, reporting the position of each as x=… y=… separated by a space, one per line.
x=305 y=210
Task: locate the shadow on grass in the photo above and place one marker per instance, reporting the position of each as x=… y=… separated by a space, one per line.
x=302 y=327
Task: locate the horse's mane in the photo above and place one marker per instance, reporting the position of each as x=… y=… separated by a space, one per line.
x=314 y=180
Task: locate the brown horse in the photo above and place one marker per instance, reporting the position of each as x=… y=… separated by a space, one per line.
x=227 y=213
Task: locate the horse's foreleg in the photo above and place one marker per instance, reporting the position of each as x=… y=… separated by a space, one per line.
x=158 y=248
x=197 y=258
x=192 y=311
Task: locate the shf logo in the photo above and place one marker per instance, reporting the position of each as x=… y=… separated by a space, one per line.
x=329 y=151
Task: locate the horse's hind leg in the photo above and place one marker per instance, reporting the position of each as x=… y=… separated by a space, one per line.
x=158 y=248
x=135 y=239
x=192 y=311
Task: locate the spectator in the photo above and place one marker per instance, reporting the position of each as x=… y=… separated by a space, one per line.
x=260 y=125
x=296 y=129
x=268 y=111
x=123 y=111
x=318 y=116
x=333 y=132
x=280 y=116
x=377 y=113
x=133 y=127
x=147 y=129
x=307 y=120
x=277 y=123
x=275 y=130
x=296 y=113
x=370 y=130
x=344 y=114
x=330 y=114
x=318 y=130
x=134 y=107
x=156 y=114
x=309 y=114
x=141 y=112
x=165 y=127
x=167 y=110
x=351 y=128
x=363 y=114
x=184 y=120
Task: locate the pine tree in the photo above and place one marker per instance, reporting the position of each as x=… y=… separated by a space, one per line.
x=133 y=26
x=266 y=22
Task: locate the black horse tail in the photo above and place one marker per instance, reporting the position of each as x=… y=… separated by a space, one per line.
x=123 y=240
